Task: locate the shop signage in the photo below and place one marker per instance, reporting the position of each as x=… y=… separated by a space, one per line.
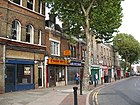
x=27 y=70
x=57 y=61
x=75 y=63
x=67 y=52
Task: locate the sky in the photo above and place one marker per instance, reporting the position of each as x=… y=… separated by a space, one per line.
x=131 y=18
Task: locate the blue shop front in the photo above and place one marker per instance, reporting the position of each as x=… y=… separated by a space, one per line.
x=19 y=75
x=73 y=68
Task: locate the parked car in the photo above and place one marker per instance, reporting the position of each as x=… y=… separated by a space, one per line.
x=137 y=74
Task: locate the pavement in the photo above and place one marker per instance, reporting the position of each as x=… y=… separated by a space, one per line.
x=62 y=95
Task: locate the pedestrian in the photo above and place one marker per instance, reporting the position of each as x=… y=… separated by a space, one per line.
x=96 y=79
x=77 y=76
x=115 y=76
x=90 y=80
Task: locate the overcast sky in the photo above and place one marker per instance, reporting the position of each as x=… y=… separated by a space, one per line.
x=131 y=19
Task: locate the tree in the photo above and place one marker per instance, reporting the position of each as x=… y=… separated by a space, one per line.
x=88 y=17
x=128 y=47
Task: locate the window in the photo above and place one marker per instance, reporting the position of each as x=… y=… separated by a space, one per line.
x=83 y=54
x=16 y=30
x=30 y=4
x=60 y=73
x=29 y=34
x=17 y=1
x=24 y=74
x=39 y=37
x=55 y=48
x=73 y=51
x=40 y=7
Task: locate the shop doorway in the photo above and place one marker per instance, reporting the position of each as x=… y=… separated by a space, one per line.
x=52 y=78
x=40 y=76
x=10 y=78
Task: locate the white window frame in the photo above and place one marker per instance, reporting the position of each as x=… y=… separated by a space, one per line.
x=33 y=5
x=31 y=32
x=17 y=29
x=58 y=47
x=39 y=37
x=41 y=4
x=16 y=3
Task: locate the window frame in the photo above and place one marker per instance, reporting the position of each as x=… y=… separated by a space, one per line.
x=17 y=28
x=40 y=8
x=20 y=2
x=39 y=37
x=31 y=33
x=73 y=51
x=56 y=47
x=31 y=4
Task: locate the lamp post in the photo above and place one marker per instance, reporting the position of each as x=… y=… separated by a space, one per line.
x=114 y=68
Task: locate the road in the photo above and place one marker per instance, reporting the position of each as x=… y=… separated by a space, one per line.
x=122 y=92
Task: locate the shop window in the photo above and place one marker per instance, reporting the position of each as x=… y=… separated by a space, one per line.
x=29 y=34
x=55 y=48
x=16 y=30
x=24 y=74
x=39 y=37
x=60 y=74
x=16 y=1
x=30 y=4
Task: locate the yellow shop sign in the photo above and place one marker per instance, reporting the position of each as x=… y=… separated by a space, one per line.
x=57 y=61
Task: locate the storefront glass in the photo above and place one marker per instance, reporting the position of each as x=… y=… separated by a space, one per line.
x=71 y=74
x=24 y=74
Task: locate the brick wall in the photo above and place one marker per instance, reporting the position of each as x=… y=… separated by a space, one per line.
x=25 y=16
x=64 y=45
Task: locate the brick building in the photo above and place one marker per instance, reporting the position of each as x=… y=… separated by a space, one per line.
x=22 y=44
x=63 y=59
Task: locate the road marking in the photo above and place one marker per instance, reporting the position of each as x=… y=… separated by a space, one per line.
x=95 y=96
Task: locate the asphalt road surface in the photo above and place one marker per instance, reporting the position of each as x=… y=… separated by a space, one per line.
x=123 y=92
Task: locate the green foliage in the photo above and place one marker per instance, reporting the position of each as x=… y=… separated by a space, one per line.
x=104 y=16
x=128 y=47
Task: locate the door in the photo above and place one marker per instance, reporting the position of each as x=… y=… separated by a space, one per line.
x=40 y=76
x=10 y=78
x=52 y=81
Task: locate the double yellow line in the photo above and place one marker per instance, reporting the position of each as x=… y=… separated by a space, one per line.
x=95 y=97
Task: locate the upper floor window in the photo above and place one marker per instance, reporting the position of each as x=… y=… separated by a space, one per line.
x=16 y=30
x=30 y=4
x=17 y=1
x=29 y=34
x=40 y=7
x=55 y=48
x=73 y=51
x=83 y=54
x=39 y=37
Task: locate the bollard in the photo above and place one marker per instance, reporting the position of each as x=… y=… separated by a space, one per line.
x=80 y=87
x=75 y=95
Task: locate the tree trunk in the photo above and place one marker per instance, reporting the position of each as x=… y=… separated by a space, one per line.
x=87 y=66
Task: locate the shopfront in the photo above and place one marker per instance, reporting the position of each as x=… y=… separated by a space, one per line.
x=95 y=69
x=105 y=74
x=73 y=68
x=19 y=75
x=56 y=72
x=109 y=73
